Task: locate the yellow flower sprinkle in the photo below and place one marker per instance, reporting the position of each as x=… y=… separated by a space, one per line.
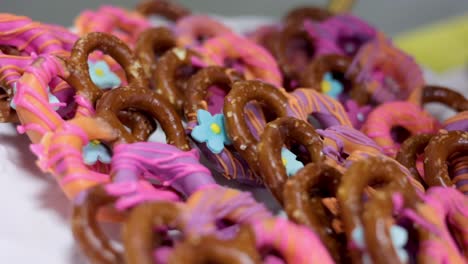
x=99 y=72
x=326 y=86
x=215 y=128
x=95 y=142
x=285 y=162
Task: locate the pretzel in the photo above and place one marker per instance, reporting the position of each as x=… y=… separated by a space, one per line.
x=200 y=96
x=313 y=75
x=210 y=249
x=276 y=134
x=376 y=215
x=78 y=64
x=165 y=8
x=389 y=128
x=152 y=44
x=450 y=98
x=297 y=46
x=139 y=236
x=409 y=151
x=243 y=92
x=88 y=92
x=442 y=148
x=349 y=33
x=303 y=197
x=34 y=111
x=86 y=230
x=390 y=74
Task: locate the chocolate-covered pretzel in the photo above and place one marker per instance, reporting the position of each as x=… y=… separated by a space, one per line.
x=86 y=230
x=303 y=202
x=78 y=63
x=139 y=235
x=409 y=151
x=448 y=97
x=151 y=44
x=439 y=151
x=243 y=92
x=164 y=8
x=168 y=81
x=147 y=101
x=210 y=249
x=313 y=75
x=302 y=13
x=283 y=50
x=80 y=79
x=373 y=218
x=276 y=134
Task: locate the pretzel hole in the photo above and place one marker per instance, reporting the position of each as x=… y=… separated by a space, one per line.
x=111 y=230
x=299 y=150
x=183 y=74
x=347 y=84
x=311 y=119
x=440 y=110
x=114 y=66
x=271 y=255
x=399 y=134
x=261 y=110
x=413 y=244
x=215 y=98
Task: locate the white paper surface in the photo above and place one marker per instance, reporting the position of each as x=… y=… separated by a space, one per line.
x=34 y=227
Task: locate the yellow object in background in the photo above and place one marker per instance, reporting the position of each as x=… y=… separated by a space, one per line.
x=441 y=46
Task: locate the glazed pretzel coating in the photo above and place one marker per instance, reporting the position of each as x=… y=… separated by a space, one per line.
x=391 y=181
x=243 y=92
x=78 y=63
x=167 y=83
x=276 y=134
x=303 y=195
x=409 y=151
x=165 y=8
x=448 y=97
x=86 y=230
x=210 y=249
x=147 y=101
x=151 y=44
x=312 y=76
x=139 y=236
x=439 y=150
